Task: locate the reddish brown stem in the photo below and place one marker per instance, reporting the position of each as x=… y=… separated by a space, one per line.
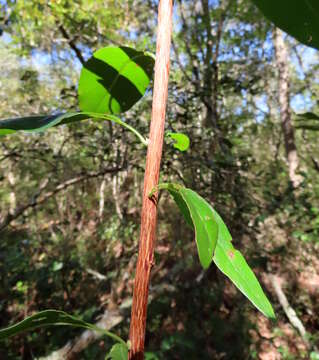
x=145 y=259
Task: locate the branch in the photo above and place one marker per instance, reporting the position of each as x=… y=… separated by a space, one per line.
x=71 y=44
x=38 y=199
x=315 y=163
x=289 y=311
x=96 y=274
x=193 y=57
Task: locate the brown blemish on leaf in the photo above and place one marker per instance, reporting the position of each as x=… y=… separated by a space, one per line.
x=231 y=254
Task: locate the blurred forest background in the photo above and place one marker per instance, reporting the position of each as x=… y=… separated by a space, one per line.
x=70 y=198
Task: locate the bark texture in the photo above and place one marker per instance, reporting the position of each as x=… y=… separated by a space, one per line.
x=145 y=259
x=285 y=112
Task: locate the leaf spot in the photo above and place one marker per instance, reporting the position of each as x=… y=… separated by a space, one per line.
x=231 y=254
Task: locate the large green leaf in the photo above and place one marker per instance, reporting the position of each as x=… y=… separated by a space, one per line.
x=52 y=317
x=199 y=214
x=114 y=79
x=44 y=122
x=231 y=262
x=299 y=18
x=119 y=351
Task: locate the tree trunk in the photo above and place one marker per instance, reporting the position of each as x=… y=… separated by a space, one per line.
x=145 y=259
x=285 y=113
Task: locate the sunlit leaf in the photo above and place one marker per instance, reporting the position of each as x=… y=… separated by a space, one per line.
x=181 y=141
x=114 y=79
x=199 y=214
x=118 y=352
x=299 y=18
x=214 y=243
x=231 y=262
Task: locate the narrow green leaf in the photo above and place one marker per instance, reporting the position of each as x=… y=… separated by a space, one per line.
x=205 y=225
x=231 y=262
x=52 y=317
x=38 y=122
x=44 y=122
x=181 y=203
x=118 y=352
x=214 y=243
x=114 y=79
x=299 y=18
x=199 y=215
x=181 y=141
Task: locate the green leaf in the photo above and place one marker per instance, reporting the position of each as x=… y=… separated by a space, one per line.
x=307 y=116
x=307 y=121
x=57 y=266
x=181 y=140
x=205 y=225
x=231 y=262
x=52 y=317
x=118 y=352
x=114 y=79
x=38 y=122
x=214 y=243
x=299 y=18
x=199 y=214
x=44 y=122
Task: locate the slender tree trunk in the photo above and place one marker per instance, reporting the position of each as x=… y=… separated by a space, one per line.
x=12 y=182
x=211 y=66
x=145 y=259
x=285 y=113
x=115 y=192
x=102 y=198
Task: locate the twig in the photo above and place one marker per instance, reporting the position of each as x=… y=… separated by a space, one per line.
x=96 y=274
x=71 y=44
x=38 y=199
x=289 y=311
